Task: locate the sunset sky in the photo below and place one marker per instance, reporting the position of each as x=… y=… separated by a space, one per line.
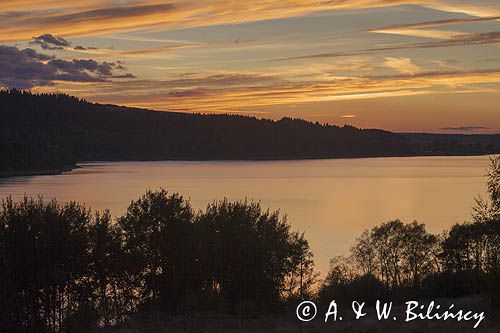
x=400 y=65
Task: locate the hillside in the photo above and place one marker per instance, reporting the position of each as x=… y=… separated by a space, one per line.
x=454 y=144
x=52 y=132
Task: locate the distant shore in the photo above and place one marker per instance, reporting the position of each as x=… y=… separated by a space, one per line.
x=66 y=130
x=37 y=172
x=67 y=168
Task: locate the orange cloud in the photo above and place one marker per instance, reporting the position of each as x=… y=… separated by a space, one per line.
x=92 y=17
x=414 y=29
x=402 y=65
x=230 y=92
x=437 y=34
x=136 y=53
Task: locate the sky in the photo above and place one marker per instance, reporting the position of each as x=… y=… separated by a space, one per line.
x=399 y=65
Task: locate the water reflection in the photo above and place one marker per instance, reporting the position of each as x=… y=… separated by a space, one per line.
x=331 y=200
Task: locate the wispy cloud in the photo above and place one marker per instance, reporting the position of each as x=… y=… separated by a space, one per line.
x=449 y=64
x=465 y=128
x=402 y=65
x=414 y=29
x=136 y=52
x=93 y=17
x=492 y=37
x=435 y=34
x=232 y=91
x=468 y=9
x=428 y=24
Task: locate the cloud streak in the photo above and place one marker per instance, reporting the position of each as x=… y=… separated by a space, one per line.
x=482 y=38
x=402 y=65
x=465 y=128
x=413 y=30
x=136 y=53
x=198 y=93
x=435 y=34
x=96 y=17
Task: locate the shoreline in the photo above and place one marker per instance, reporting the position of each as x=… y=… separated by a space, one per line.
x=64 y=169
x=37 y=172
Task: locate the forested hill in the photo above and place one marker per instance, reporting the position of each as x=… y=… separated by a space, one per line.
x=454 y=144
x=46 y=132
x=41 y=132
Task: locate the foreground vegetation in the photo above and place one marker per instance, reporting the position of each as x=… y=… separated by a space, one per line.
x=402 y=261
x=65 y=269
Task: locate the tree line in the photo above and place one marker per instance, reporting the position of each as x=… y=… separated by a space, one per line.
x=399 y=260
x=65 y=269
x=52 y=131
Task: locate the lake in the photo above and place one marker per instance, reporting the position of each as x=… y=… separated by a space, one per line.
x=331 y=200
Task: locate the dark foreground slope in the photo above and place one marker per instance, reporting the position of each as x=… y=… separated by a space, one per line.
x=51 y=132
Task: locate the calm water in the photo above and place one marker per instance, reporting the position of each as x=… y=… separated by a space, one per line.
x=331 y=200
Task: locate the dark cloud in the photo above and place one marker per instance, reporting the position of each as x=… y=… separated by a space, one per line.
x=50 y=42
x=124 y=76
x=465 y=128
x=83 y=48
x=459 y=40
x=477 y=38
x=30 y=53
x=27 y=68
x=187 y=93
